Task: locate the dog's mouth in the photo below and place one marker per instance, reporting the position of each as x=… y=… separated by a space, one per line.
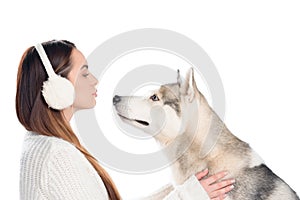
x=145 y=123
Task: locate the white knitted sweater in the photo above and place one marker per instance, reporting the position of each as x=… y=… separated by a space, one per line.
x=52 y=168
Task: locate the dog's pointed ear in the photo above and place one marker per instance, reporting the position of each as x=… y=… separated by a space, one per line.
x=179 y=81
x=189 y=86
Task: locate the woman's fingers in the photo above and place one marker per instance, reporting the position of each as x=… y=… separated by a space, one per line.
x=222 y=184
x=222 y=197
x=216 y=177
x=200 y=175
x=220 y=192
x=214 y=186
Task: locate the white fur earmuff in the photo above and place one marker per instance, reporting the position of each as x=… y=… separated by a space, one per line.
x=57 y=91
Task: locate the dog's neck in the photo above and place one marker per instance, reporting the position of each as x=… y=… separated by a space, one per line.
x=210 y=127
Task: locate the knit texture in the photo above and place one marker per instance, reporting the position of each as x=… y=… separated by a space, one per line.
x=190 y=190
x=54 y=169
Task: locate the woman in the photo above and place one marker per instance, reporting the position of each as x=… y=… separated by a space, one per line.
x=54 y=165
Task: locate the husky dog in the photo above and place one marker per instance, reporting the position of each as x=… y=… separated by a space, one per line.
x=178 y=115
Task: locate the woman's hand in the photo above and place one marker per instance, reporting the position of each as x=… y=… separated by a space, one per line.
x=215 y=188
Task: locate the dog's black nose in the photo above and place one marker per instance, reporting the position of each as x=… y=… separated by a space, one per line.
x=116 y=99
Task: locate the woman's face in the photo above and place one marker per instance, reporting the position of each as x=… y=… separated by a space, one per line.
x=83 y=81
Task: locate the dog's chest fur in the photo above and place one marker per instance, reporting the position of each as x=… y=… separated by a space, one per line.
x=233 y=157
x=254 y=180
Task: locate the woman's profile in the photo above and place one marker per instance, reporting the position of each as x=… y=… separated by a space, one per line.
x=53 y=82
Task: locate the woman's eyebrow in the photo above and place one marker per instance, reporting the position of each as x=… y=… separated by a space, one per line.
x=84 y=66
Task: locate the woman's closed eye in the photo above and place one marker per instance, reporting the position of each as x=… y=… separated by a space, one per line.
x=86 y=74
x=85 y=71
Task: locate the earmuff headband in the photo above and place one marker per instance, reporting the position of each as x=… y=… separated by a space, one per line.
x=40 y=49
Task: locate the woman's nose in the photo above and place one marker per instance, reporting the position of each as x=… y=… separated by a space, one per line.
x=95 y=81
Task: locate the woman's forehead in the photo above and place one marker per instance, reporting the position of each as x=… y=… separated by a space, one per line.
x=78 y=58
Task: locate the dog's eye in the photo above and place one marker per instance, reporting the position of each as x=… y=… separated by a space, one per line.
x=154 y=98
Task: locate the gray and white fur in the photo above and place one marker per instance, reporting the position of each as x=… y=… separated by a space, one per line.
x=183 y=118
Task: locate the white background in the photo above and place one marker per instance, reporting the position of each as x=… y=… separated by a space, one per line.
x=255 y=46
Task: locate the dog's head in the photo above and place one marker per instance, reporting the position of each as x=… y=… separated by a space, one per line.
x=165 y=113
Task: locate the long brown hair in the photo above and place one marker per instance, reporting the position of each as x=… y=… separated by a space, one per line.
x=34 y=113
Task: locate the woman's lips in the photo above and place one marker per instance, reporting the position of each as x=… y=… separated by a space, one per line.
x=95 y=94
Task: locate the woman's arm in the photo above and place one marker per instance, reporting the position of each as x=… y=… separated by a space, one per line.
x=196 y=187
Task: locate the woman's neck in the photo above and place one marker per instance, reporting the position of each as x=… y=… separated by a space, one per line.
x=68 y=113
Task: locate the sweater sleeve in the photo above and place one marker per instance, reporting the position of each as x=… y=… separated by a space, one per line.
x=69 y=175
x=191 y=189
